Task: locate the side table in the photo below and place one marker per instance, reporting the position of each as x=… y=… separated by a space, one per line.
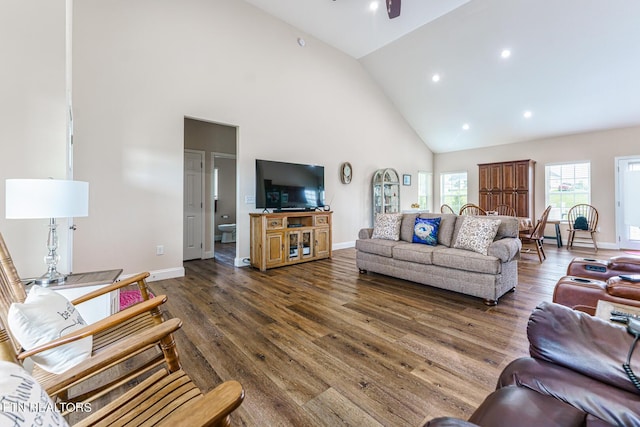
x=79 y=284
x=604 y=308
x=558 y=236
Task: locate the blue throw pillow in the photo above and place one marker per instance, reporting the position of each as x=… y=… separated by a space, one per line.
x=425 y=231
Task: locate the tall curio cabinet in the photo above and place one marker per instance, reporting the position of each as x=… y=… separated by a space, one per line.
x=386 y=191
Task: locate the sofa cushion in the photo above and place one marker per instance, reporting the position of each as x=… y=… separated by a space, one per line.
x=413 y=252
x=466 y=260
x=446 y=229
x=425 y=231
x=406 y=229
x=476 y=234
x=387 y=226
x=376 y=246
x=509 y=226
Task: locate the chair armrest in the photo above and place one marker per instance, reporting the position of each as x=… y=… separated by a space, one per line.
x=625 y=263
x=126 y=348
x=98 y=326
x=365 y=233
x=210 y=409
x=582 y=343
x=618 y=287
x=116 y=285
x=611 y=404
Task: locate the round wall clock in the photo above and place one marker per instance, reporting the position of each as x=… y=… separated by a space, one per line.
x=346 y=173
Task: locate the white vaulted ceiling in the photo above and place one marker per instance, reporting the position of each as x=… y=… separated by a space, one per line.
x=574 y=64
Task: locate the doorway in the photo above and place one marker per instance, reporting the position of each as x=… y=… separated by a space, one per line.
x=627 y=203
x=216 y=141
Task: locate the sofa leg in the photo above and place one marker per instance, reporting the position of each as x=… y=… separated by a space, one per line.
x=490 y=302
x=362 y=271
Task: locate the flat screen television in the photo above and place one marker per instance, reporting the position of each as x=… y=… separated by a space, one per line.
x=288 y=186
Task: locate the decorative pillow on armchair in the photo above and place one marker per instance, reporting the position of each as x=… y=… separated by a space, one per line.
x=425 y=231
x=23 y=401
x=476 y=234
x=387 y=226
x=43 y=317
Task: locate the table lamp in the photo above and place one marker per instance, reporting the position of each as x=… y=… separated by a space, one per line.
x=47 y=198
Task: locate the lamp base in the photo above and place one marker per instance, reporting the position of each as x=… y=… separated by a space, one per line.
x=49 y=279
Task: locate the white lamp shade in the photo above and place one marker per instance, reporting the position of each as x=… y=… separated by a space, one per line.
x=46 y=198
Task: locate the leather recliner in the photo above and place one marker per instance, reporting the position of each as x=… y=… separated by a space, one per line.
x=589 y=280
x=604 y=269
x=573 y=377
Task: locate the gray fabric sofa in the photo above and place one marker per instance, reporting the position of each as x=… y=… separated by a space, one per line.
x=443 y=266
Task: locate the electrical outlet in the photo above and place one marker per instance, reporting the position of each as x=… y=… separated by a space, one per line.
x=249 y=199
x=159 y=250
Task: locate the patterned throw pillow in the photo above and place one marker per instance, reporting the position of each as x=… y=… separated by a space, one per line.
x=387 y=226
x=476 y=234
x=23 y=401
x=425 y=231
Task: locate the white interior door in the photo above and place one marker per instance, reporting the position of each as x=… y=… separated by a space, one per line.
x=193 y=205
x=628 y=203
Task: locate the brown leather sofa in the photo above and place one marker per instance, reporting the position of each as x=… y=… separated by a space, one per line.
x=589 y=280
x=573 y=377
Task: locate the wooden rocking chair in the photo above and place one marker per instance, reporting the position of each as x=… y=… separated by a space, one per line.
x=108 y=337
x=165 y=398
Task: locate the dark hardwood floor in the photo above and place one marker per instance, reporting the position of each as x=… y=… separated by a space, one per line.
x=318 y=344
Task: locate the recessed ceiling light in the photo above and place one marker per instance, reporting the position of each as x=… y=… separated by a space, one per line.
x=435 y=78
x=301 y=41
x=505 y=53
x=373 y=6
x=466 y=126
x=527 y=114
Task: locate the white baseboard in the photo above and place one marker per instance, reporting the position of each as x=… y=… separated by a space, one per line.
x=207 y=255
x=343 y=245
x=242 y=262
x=601 y=245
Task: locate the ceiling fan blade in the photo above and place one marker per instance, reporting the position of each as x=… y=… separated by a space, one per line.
x=393 y=8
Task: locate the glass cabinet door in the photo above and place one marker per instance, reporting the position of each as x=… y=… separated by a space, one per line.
x=293 y=245
x=386 y=191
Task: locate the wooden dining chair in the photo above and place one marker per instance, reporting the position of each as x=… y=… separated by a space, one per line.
x=107 y=337
x=505 y=210
x=583 y=218
x=471 y=209
x=446 y=209
x=165 y=398
x=536 y=237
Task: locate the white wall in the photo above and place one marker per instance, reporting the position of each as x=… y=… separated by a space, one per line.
x=32 y=117
x=599 y=148
x=141 y=66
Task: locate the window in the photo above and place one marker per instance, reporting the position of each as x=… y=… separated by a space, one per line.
x=425 y=186
x=453 y=189
x=566 y=185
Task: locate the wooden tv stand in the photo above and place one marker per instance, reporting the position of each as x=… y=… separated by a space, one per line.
x=285 y=238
